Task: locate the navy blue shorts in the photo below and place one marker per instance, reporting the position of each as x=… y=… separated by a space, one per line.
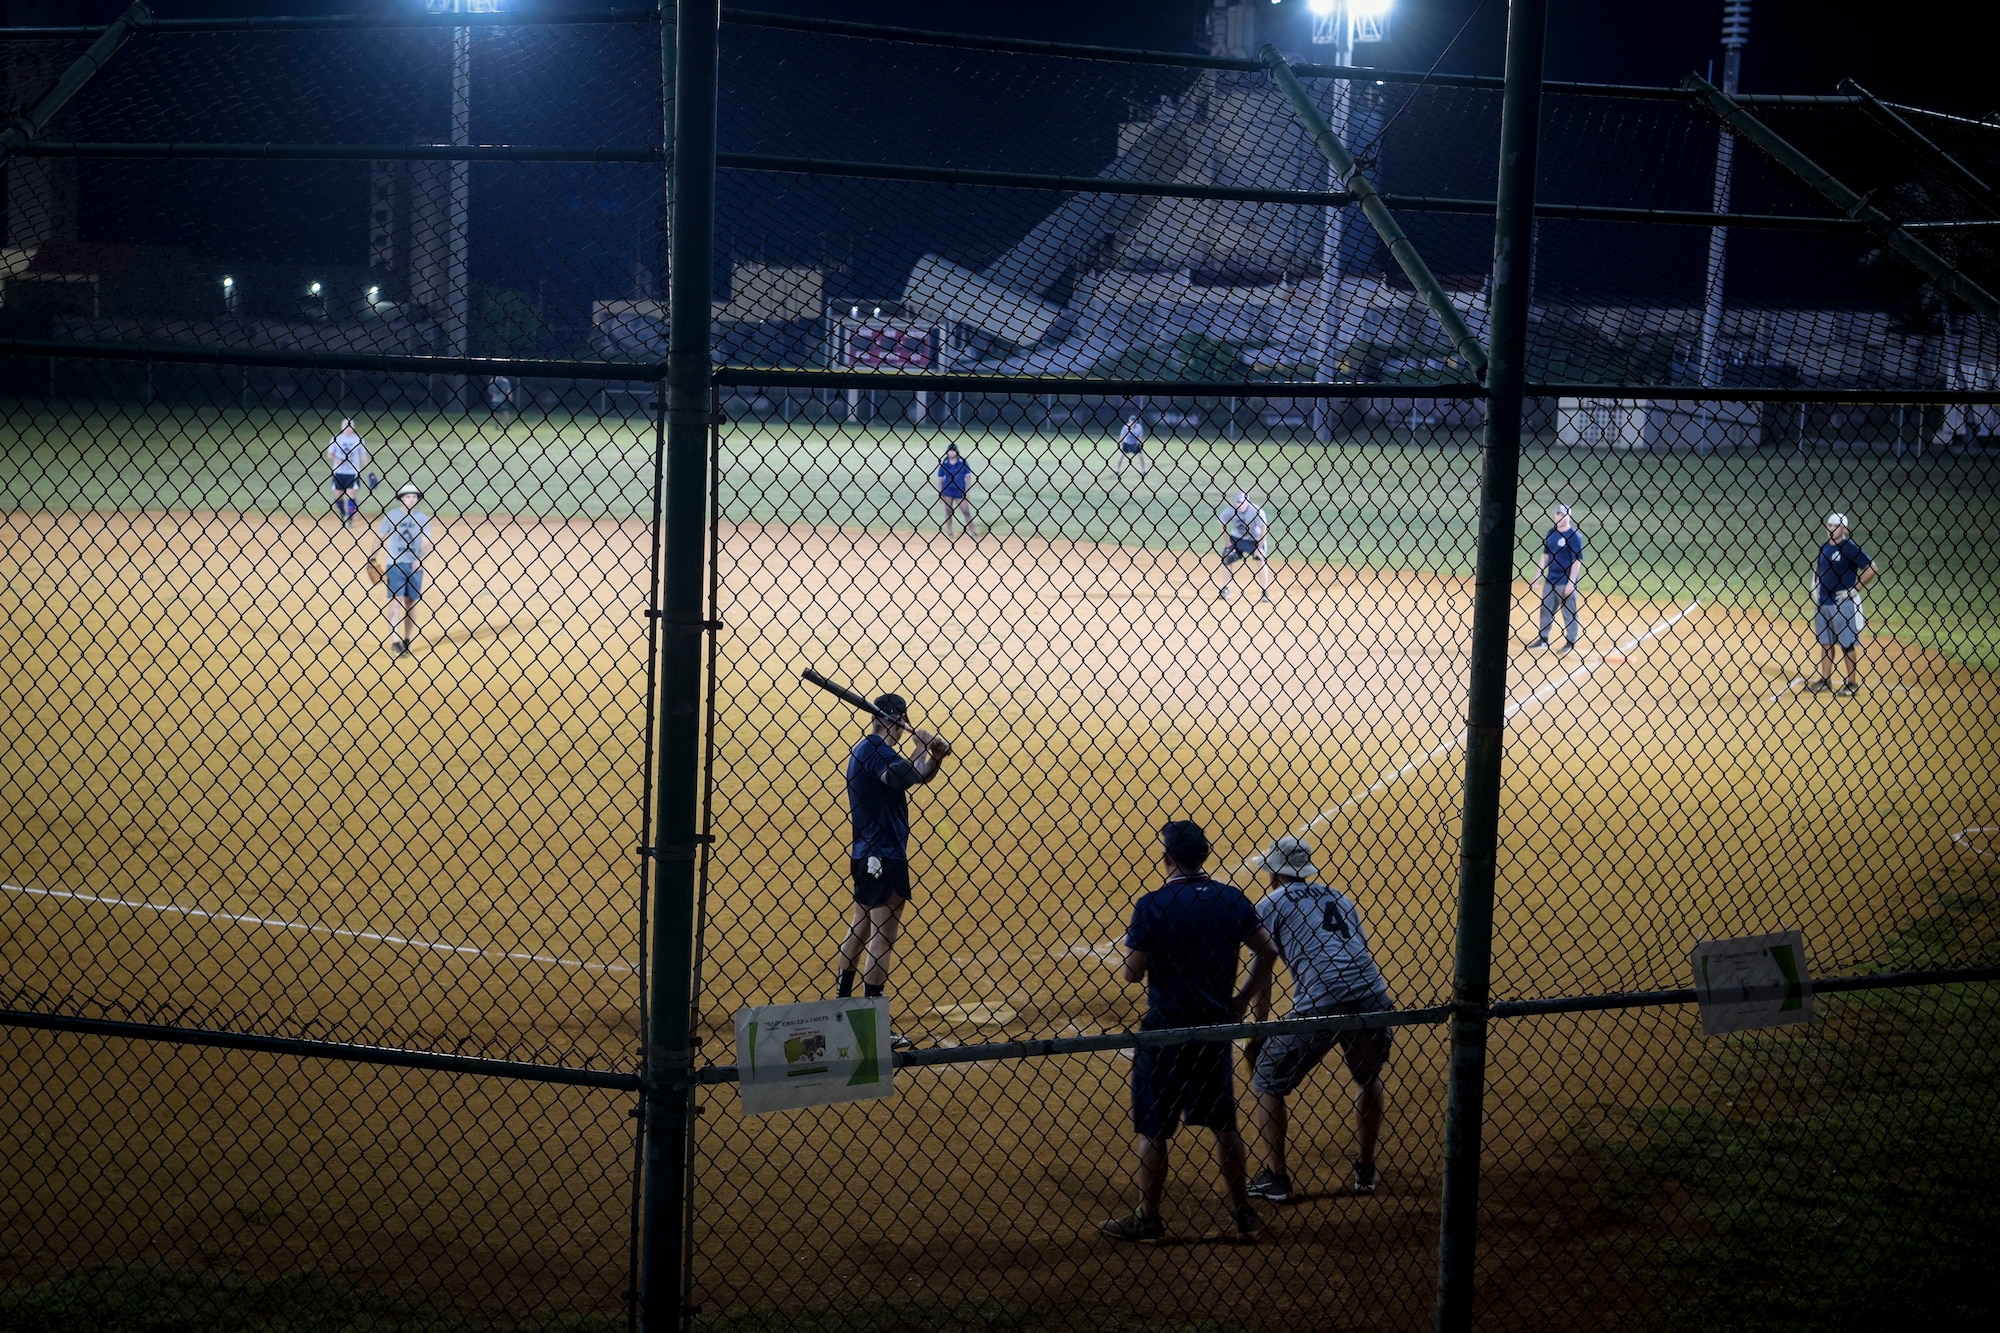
x=1192 y=1083
x=344 y=481
x=880 y=890
x=1240 y=548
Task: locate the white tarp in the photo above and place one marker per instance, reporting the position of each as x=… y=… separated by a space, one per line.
x=813 y=1054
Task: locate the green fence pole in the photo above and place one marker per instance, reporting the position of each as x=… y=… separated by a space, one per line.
x=1486 y=708
x=35 y=119
x=1730 y=112
x=670 y=1090
x=1377 y=212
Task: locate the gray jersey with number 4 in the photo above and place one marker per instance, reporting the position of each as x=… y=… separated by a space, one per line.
x=1318 y=930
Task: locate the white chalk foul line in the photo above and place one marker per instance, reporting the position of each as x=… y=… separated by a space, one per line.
x=1795 y=682
x=1966 y=838
x=1535 y=700
x=313 y=928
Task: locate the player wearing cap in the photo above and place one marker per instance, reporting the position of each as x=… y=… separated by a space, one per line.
x=878 y=780
x=1560 y=565
x=1841 y=572
x=1244 y=529
x=346 y=455
x=406 y=540
x=1317 y=930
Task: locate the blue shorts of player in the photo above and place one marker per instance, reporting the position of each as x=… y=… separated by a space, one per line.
x=344 y=481
x=1838 y=623
x=1240 y=548
x=880 y=890
x=1287 y=1060
x=1174 y=1083
x=404 y=581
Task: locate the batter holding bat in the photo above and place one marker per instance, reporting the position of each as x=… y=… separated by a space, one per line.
x=879 y=778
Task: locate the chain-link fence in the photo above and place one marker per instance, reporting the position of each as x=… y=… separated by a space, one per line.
x=1163 y=431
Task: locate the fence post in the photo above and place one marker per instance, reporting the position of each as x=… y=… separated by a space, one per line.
x=1486 y=718
x=669 y=1062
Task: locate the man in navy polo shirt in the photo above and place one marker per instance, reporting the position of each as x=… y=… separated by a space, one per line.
x=1561 y=564
x=1183 y=944
x=878 y=780
x=1841 y=572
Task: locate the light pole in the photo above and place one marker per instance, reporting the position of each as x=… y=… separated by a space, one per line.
x=1339 y=24
x=457 y=322
x=1735 y=36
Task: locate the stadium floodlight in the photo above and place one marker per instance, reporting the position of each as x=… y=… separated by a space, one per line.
x=1322 y=7
x=313 y=289
x=374 y=295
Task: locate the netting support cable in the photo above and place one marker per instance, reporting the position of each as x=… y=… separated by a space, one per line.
x=683 y=542
x=1731 y=113
x=349 y=152
x=1408 y=203
x=1377 y=212
x=1968 y=180
x=30 y=123
x=1486 y=706
x=390 y=17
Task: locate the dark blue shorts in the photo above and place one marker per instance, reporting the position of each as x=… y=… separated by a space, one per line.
x=880 y=890
x=1192 y=1083
x=345 y=481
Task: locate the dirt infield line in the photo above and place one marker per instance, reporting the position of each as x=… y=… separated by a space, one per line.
x=311 y=928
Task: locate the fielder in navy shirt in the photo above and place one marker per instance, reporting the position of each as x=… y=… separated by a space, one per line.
x=1842 y=570
x=1183 y=943
x=954 y=478
x=879 y=778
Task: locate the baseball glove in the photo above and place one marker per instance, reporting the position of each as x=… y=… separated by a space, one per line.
x=375 y=574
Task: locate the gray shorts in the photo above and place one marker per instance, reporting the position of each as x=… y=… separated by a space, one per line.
x=1285 y=1061
x=1838 y=623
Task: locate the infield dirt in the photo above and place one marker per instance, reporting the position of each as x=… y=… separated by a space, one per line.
x=228 y=806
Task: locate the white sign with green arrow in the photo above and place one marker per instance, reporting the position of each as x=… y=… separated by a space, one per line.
x=1759 y=981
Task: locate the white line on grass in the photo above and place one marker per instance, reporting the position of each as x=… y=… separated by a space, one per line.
x=436 y=946
x=1535 y=700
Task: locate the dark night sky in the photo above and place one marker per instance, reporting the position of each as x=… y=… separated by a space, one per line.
x=1936 y=55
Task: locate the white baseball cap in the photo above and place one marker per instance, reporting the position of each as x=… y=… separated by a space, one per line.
x=1560 y=509
x=1290 y=856
x=409 y=488
x=1837 y=521
x=1240 y=498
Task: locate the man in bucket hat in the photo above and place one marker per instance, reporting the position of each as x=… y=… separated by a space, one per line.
x=1318 y=933
x=1842 y=570
x=406 y=539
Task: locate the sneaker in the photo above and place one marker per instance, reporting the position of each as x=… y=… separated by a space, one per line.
x=1223 y=596
x=1270 y=1185
x=1248 y=1224
x=1819 y=687
x=1136 y=1227
x=1569 y=647
x=1848 y=691
x=1539 y=643
x=397 y=647
x=1364 y=1178
x=898 y=1042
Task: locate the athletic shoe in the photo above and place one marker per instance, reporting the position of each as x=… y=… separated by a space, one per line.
x=1223 y=596
x=1848 y=691
x=1364 y=1178
x=1539 y=643
x=1248 y=1224
x=1569 y=647
x=1270 y=1185
x=1819 y=687
x=898 y=1042
x=397 y=648
x=1136 y=1227
x=1267 y=596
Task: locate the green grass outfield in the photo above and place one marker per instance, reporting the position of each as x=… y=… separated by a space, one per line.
x=1735 y=529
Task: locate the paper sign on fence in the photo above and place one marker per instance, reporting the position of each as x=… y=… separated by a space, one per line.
x=1759 y=981
x=793 y=1055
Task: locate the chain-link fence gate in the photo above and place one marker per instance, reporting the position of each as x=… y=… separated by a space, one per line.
x=1234 y=481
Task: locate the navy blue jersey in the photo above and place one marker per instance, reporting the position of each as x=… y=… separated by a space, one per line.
x=1191 y=929
x=877 y=780
x=1839 y=567
x=1564 y=549
x=953 y=474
